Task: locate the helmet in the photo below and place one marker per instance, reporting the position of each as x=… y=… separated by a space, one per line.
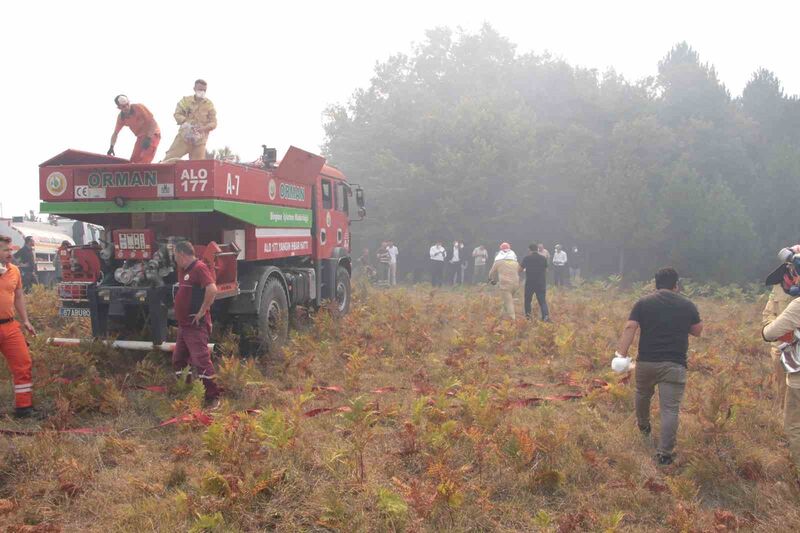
x=788 y=274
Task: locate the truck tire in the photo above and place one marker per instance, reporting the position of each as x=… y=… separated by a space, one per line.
x=342 y=291
x=273 y=317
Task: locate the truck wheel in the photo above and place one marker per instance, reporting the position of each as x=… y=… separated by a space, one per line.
x=273 y=317
x=342 y=291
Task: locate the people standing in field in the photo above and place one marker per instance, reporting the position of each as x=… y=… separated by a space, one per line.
x=463 y=268
x=193 y=300
x=437 y=255
x=393 y=253
x=505 y=274
x=364 y=264
x=535 y=267
x=540 y=248
x=26 y=261
x=664 y=319
x=575 y=263
x=560 y=272
x=384 y=261
x=543 y=251
x=781 y=331
x=12 y=340
x=479 y=258
x=779 y=298
x=455 y=263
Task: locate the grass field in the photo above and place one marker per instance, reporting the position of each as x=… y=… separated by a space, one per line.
x=419 y=411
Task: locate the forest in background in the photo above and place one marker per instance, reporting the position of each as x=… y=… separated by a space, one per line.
x=468 y=138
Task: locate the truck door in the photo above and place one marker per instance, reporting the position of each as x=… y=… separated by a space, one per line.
x=341 y=216
x=326 y=234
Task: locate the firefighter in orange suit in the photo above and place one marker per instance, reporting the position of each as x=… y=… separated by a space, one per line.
x=196 y=116
x=141 y=122
x=12 y=341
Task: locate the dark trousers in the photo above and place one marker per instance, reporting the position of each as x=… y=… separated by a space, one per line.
x=191 y=348
x=455 y=274
x=29 y=278
x=437 y=272
x=561 y=275
x=384 y=273
x=541 y=298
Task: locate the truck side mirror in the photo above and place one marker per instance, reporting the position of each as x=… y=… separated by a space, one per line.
x=360 y=198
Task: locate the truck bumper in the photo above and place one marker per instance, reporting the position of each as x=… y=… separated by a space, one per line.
x=119 y=301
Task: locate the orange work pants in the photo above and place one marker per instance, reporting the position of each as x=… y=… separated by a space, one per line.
x=15 y=350
x=145 y=155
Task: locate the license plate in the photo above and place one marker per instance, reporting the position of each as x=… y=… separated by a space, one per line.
x=72 y=312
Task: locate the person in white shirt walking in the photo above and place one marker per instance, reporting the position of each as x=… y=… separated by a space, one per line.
x=437 y=255
x=479 y=256
x=393 y=253
x=560 y=269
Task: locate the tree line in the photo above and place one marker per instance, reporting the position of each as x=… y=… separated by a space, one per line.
x=467 y=138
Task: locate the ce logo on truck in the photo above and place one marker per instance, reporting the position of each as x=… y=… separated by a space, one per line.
x=56 y=183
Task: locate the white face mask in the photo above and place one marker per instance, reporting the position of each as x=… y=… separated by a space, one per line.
x=200 y=94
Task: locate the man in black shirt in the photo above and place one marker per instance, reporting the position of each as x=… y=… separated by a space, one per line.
x=26 y=261
x=666 y=319
x=535 y=267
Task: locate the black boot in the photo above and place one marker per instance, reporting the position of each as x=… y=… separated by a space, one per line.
x=664 y=459
x=26 y=412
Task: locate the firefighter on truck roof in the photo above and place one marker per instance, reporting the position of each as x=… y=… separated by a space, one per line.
x=12 y=340
x=141 y=122
x=196 y=117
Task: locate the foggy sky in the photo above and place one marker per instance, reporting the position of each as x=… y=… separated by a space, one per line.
x=273 y=67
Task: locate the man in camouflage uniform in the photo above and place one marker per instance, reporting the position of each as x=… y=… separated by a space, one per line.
x=196 y=117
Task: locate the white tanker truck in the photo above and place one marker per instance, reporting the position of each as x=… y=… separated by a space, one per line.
x=48 y=237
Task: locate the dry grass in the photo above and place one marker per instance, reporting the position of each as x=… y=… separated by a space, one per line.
x=427 y=431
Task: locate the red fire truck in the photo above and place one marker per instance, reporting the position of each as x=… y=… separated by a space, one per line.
x=276 y=237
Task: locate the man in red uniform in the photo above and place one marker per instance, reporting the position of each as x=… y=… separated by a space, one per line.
x=12 y=341
x=141 y=122
x=196 y=292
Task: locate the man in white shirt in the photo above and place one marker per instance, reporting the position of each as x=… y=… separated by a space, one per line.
x=393 y=253
x=437 y=255
x=560 y=266
x=479 y=255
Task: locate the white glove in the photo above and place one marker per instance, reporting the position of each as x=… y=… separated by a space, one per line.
x=620 y=363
